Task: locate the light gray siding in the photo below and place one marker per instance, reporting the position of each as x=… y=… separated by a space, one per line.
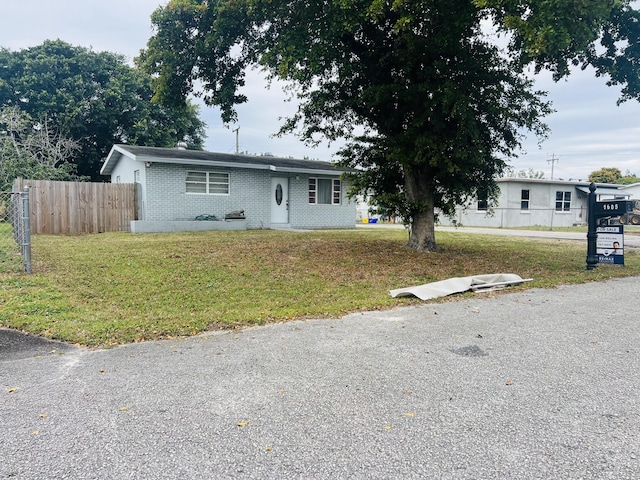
x=508 y=211
x=249 y=190
x=167 y=198
x=124 y=170
x=302 y=214
x=634 y=190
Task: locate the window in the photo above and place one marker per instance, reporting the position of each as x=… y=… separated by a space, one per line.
x=336 y=192
x=524 y=200
x=324 y=191
x=563 y=201
x=118 y=179
x=136 y=176
x=482 y=200
x=208 y=182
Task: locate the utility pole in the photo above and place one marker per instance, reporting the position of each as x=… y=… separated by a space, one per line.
x=552 y=161
x=237 y=149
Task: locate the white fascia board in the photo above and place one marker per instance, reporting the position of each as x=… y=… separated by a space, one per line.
x=208 y=163
x=108 y=164
x=310 y=171
x=252 y=166
x=123 y=151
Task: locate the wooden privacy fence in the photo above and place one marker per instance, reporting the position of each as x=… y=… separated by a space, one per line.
x=79 y=207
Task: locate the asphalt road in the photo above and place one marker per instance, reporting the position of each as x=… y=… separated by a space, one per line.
x=527 y=385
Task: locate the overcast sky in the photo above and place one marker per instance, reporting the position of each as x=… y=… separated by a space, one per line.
x=588 y=130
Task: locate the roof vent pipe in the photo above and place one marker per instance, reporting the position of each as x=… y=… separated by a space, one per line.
x=181 y=145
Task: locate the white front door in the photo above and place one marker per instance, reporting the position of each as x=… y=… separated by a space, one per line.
x=279 y=200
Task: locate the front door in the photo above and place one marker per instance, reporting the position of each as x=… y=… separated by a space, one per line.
x=279 y=200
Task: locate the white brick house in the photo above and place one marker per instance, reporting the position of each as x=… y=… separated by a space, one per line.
x=177 y=185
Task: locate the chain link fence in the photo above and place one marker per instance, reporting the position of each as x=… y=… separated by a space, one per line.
x=15 y=232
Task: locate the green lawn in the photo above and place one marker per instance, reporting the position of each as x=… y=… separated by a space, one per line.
x=112 y=288
x=10 y=260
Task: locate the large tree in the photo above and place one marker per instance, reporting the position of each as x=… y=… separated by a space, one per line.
x=34 y=150
x=94 y=98
x=430 y=100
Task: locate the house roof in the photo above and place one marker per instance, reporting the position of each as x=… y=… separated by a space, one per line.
x=601 y=188
x=610 y=190
x=203 y=158
x=548 y=181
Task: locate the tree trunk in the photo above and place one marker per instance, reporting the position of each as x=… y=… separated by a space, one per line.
x=419 y=194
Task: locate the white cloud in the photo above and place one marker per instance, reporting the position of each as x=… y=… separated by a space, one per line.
x=119 y=26
x=588 y=130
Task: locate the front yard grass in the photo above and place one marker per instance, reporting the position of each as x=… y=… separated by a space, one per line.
x=112 y=288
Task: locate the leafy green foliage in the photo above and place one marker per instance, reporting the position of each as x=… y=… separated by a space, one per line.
x=430 y=106
x=613 y=175
x=620 y=60
x=552 y=34
x=606 y=175
x=93 y=98
x=629 y=178
x=557 y=35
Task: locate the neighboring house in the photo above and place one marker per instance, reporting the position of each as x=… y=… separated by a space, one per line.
x=176 y=185
x=536 y=202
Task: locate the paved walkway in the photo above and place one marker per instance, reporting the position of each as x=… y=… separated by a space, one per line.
x=528 y=385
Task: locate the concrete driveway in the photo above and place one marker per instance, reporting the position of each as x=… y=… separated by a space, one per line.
x=528 y=385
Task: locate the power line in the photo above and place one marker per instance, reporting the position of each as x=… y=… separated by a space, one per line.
x=552 y=161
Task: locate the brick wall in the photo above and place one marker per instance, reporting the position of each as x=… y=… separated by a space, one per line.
x=249 y=190
x=302 y=214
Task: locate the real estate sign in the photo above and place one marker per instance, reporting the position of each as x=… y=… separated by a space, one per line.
x=610 y=244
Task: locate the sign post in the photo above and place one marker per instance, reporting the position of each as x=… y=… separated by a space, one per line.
x=592 y=235
x=609 y=247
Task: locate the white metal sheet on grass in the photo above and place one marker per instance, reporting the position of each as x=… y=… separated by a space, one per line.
x=450 y=286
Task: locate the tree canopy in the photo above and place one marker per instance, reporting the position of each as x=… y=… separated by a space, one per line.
x=613 y=175
x=606 y=175
x=93 y=98
x=430 y=104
